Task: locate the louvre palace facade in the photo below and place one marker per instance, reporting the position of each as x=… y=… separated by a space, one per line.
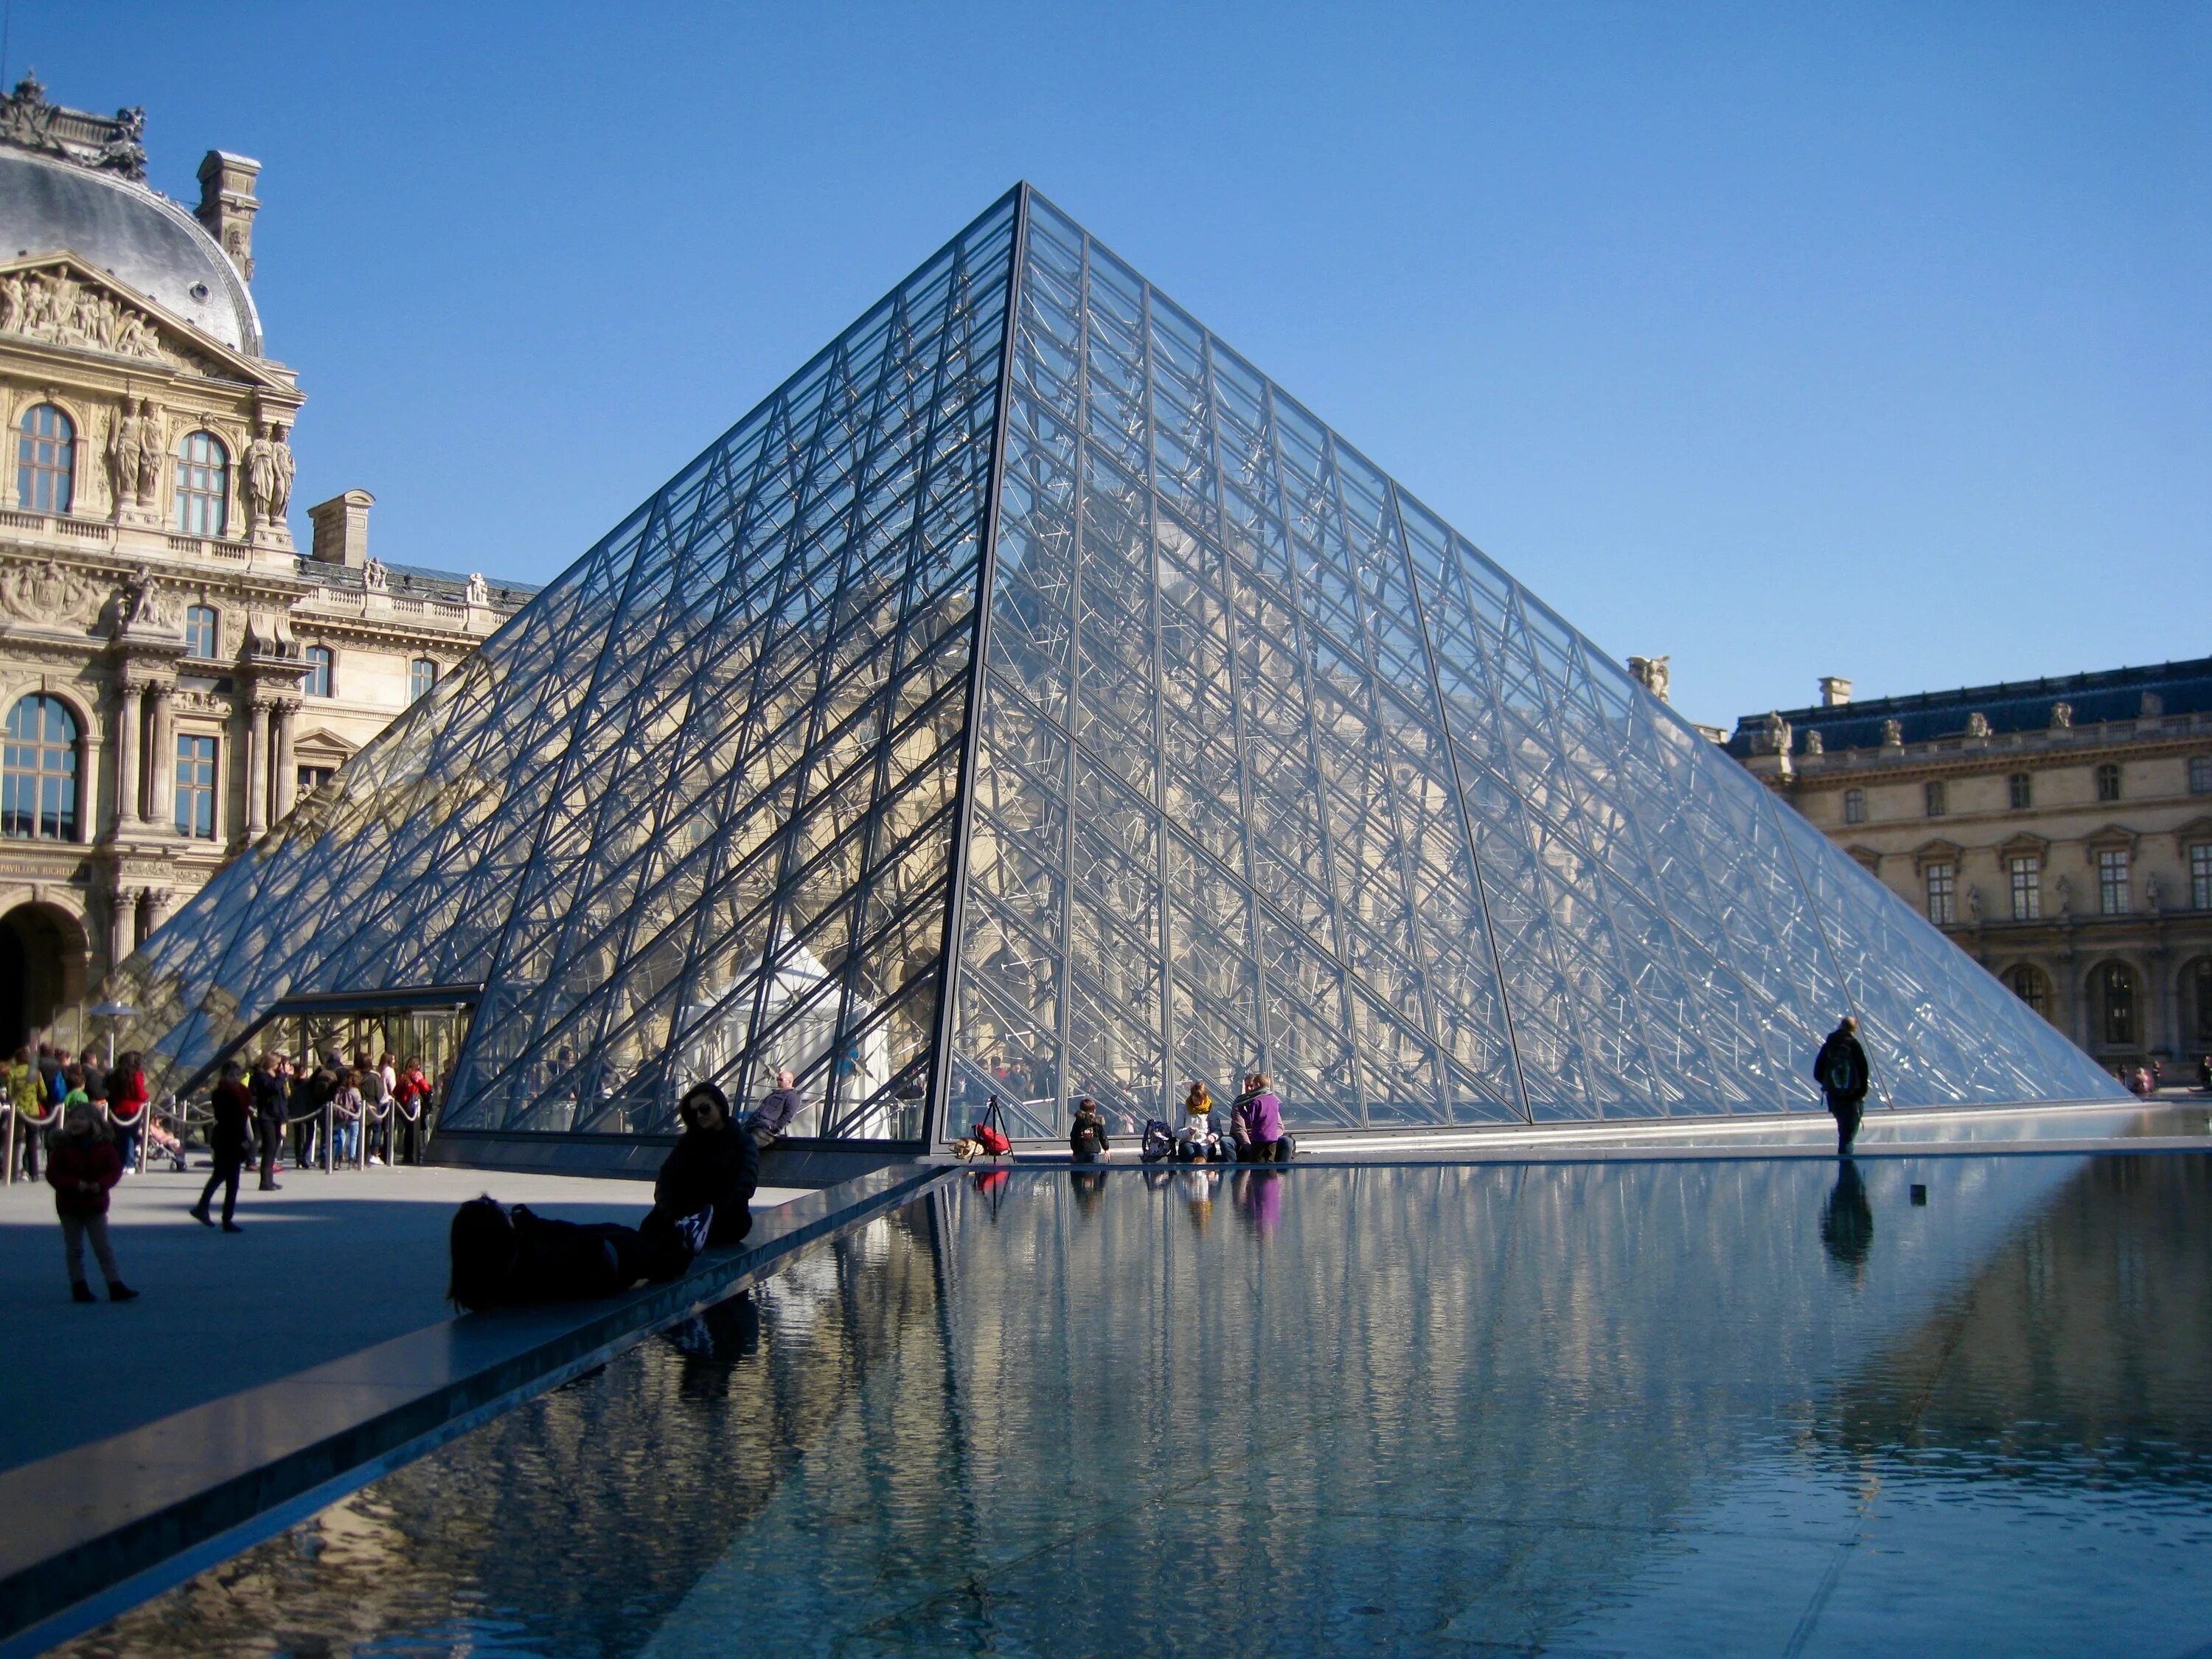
x=1029 y=698
x=2059 y=831
x=175 y=671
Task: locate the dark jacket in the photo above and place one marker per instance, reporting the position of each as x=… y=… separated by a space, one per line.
x=720 y=1167
x=565 y=1260
x=1087 y=1137
x=272 y=1094
x=228 y=1137
x=1840 y=1069
x=775 y=1114
x=71 y=1159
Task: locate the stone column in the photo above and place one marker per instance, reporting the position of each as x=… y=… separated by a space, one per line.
x=126 y=756
x=257 y=773
x=287 y=769
x=161 y=810
x=122 y=926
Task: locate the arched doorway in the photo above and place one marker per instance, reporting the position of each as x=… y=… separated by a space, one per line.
x=42 y=969
x=2116 y=1028
x=2031 y=985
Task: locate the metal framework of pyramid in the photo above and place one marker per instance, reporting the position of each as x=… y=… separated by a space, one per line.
x=1029 y=697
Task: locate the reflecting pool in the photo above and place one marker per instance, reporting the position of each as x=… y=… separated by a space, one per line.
x=1732 y=1406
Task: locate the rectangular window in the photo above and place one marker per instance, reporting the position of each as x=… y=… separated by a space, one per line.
x=2200 y=876
x=2023 y=791
x=196 y=786
x=422 y=675
x=2200 y=775
x=1938 y=798
x=317 y=681
x=2108 y=782
x=2027 y=890
x=312 y=778
x=2113 y=883
x=1854 y=806
x=1942 y=894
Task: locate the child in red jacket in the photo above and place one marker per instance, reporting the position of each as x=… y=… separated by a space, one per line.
x=82 y=1166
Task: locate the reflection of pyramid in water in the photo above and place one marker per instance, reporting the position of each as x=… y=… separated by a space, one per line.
x=1264 y=762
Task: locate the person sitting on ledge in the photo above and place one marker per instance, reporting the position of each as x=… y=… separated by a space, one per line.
x=1257 y=1123
x=1086 y=1139
x=506 y=1255
x=715 y=1165
x=770 y=1122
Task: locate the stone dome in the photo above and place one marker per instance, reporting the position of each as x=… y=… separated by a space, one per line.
x=134 y=234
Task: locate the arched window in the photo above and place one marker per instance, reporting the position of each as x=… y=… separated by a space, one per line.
x=202 y=485
x=422 y=675
x=2027 y=983
x=45 y=461
x=2115 y=986
x=39 y=771
x=318 y=679
x=202 y=630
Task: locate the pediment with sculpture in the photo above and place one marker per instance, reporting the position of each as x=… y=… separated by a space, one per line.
x=59 y=300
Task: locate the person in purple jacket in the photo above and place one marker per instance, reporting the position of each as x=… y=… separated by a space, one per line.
x=1257 y=1123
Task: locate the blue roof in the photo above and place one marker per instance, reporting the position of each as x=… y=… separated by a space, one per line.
x=2111 y=694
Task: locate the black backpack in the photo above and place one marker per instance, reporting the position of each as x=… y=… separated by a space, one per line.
x=1159 y=1141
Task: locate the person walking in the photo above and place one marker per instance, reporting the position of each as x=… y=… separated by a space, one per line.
x=769 y=1123
x=82 y=1169
x=230 y=1139
x=272 y=1101
x=1840 y=1069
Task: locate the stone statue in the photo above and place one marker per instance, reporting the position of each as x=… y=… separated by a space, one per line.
x=1778 y=733
x=374 y=576
x=1652 y=673
x=1974 y=903
x=150 y=453
x=125 y=439
x=1892 y=734
x=2150 y=892
x=2064 y=891
x=1977 y=725
x=479 y=589
x=2152 y=708
x=2062 y=716
x=1813 y=745
x=151 y=607
x=269 y=472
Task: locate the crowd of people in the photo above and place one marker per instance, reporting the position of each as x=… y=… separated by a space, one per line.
x=1254 y=1133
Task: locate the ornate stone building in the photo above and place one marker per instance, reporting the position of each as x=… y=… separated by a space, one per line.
x=173 y=671
x=2060 y=830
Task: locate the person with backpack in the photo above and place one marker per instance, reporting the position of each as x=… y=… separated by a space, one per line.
x=1256 y=1123
x=82 y=1169
x=1840 y=1068
x=34 y=1109
x=1086 y=1138
x=230 y=1139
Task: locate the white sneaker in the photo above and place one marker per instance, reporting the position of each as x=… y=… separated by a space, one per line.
x=374 y=1162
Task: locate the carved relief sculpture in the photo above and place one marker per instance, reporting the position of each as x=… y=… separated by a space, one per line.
x=54 y=307
x=47 y=594
x=152 y=607
x=1653 y=674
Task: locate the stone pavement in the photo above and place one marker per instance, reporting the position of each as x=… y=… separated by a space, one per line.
x=329 y=1266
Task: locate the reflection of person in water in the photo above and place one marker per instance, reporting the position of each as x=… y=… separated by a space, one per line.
x=1847 y=1220
x=1259 y=1198
x=714 y=1343
x=1090 y=1188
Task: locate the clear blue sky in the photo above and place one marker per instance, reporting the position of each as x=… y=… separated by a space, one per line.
x=1791 y=340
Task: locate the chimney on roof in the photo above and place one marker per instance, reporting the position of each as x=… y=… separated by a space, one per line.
x=1834 y=693
x=342 y=529
x=228 y=205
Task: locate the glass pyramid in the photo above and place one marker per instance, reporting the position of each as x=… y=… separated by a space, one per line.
x=1029 y=698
